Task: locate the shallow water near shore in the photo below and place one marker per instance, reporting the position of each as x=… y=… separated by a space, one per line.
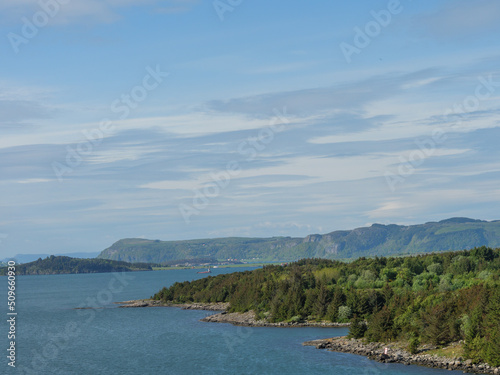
x=54 y=338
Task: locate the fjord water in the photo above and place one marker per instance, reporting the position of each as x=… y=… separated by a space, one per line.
x=54 y=338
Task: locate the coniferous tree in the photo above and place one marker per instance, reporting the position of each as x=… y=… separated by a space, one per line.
x=357 y=328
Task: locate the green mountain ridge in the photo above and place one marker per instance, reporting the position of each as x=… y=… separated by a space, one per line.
x=376 y=240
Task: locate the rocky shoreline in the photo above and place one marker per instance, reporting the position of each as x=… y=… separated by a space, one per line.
x=247 y=319
x=375 y=351
x=395 y=354
x=217 y=306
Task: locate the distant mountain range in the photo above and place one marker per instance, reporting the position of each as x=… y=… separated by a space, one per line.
x=376 y=240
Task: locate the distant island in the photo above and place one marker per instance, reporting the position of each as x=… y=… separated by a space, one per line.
x=54 y=265
x=376 y=240
x=26 y=258
x=443 y=304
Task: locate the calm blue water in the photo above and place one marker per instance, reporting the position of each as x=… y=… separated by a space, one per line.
x=54 y=338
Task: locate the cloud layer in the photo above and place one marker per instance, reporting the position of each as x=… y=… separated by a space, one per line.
x=262 y=128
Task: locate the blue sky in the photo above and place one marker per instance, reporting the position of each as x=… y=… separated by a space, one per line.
x=182 y=119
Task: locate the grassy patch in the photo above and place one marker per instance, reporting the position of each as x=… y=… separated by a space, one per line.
x=454 y=350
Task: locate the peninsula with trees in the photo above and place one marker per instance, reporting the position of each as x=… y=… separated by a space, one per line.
x=437 y=300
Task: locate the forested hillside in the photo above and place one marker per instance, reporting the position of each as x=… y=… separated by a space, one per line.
x=378 y=239
x=435 y=298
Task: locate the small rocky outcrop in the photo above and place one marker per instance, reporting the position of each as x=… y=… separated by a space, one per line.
x=218 y=306
x=248 y=319
x=141 y=303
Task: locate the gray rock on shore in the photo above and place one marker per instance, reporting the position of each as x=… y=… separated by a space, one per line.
x=376 y=351
x=248 y=319
x=240 y=319
x=218 y=306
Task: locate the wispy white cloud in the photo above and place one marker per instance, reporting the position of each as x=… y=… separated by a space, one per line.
x=282 y=225
x=459 y=18
x=127 y=153
x=34 y=181
x=351 y=95
x=19 y=111
x=440 y=199
x=176 y=184
x=390 y=209
x=302 y=171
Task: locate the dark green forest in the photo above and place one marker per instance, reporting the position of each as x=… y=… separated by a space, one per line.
x=434 y=298
x=62 y=265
